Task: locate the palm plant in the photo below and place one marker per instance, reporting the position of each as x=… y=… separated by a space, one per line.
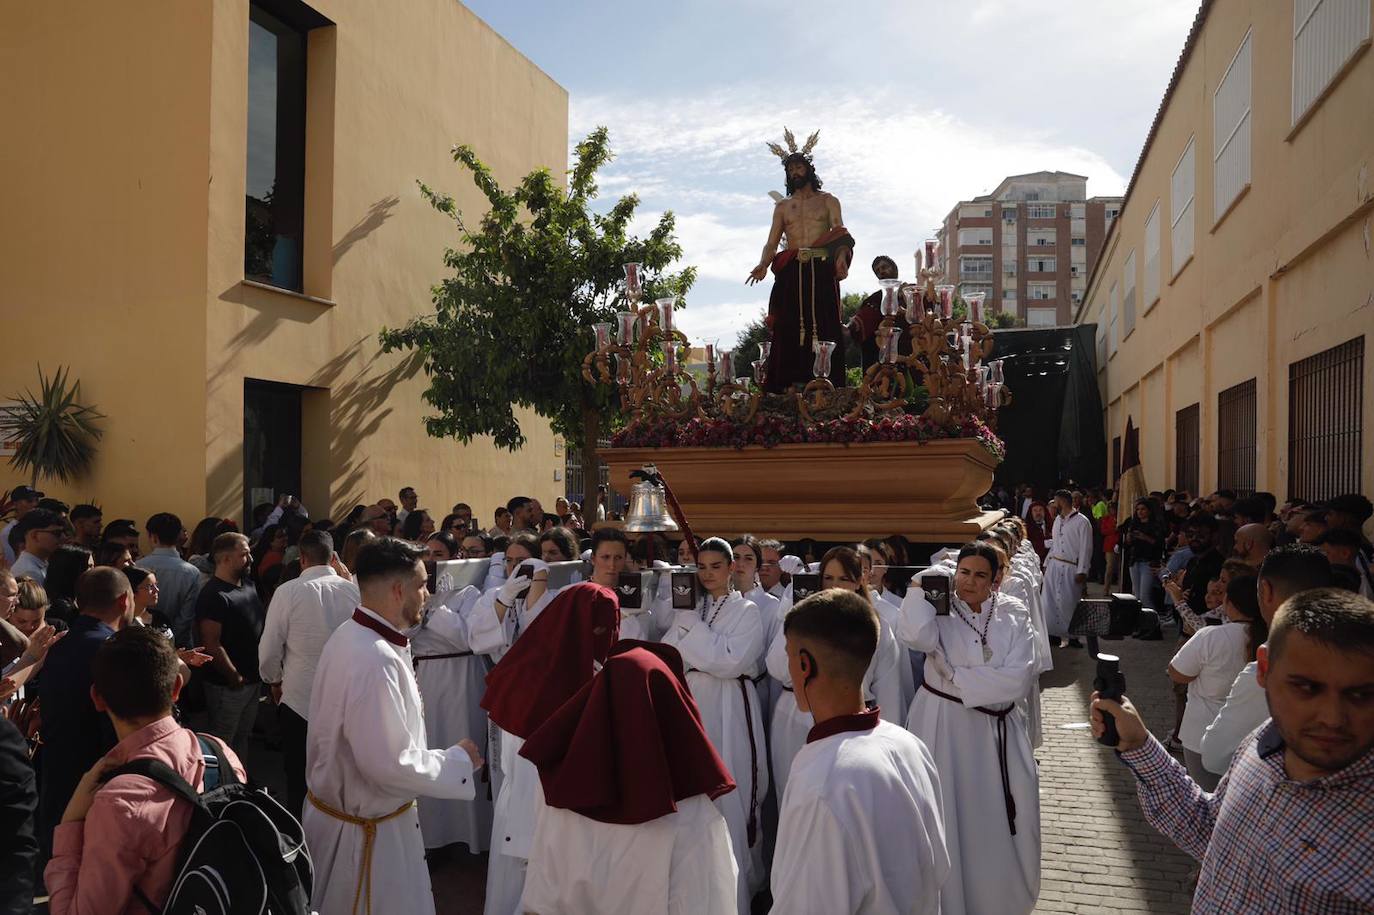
x=53 y=434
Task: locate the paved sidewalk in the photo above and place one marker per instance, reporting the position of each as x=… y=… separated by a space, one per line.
x=1098 y=853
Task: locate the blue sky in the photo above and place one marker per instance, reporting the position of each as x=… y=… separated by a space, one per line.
x=920 y=104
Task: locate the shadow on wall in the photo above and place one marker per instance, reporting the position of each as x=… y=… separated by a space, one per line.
x=377 y=214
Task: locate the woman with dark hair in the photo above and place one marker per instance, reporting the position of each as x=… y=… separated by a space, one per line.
x=1143 y=536
x=417 y=526
x=114 y=555
x=1208 y=664
x=270 y=550
x=721 y=642
x=980 y=662
x=65 y=566
x=146 y=592
x=203 y=536
x=443 y=546
x=841 y=567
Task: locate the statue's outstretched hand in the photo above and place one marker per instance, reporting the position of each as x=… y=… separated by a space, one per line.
x=757 y=275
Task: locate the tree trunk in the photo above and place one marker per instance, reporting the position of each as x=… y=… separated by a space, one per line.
x=591 y=463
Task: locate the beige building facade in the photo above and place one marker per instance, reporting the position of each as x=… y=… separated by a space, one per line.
x=213 y=210
x=1234 y=298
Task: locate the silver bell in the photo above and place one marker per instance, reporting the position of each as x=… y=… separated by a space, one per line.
x=648 y=512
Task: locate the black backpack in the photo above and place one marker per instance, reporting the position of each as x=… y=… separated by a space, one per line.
x=243 y=852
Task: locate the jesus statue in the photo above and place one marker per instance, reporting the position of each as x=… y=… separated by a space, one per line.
x=804 y=306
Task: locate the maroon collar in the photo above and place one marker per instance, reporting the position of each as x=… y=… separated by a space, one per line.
x=864 y=721
x=382 y=629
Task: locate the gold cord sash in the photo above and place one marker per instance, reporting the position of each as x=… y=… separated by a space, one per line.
x=369 y=826
x=805 y=256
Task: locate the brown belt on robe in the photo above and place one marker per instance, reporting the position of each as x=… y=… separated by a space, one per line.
x=369 y=825
x=1001 y=717
x=753 y=823
x=415 y=661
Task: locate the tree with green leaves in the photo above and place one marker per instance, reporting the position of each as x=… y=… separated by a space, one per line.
x=512 y=320
x=54 y=434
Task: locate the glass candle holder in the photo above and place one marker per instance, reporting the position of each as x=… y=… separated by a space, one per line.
x=625 y=327
x=765 y=348
x=761 y=372
x=665 y=313
x=669 y=348
x=634 y=281
x=975 y=306
x=602 y=332
x=624 y=369
x=888 y=306
x=889 y=338
x=915 y=308
x=997 y=375
x=725 y=363
x=945 y=294
x=820 y=366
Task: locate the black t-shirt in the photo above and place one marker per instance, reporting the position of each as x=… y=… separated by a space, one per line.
x=239 y=612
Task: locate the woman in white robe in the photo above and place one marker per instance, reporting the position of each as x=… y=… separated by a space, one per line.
x=744 y=578
x=840 y=568
x=452 y=679
x=980 y=660
x=721 y=641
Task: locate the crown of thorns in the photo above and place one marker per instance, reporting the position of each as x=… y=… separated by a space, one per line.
x=792 y=150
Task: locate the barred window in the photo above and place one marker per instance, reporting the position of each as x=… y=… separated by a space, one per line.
x=1187 y=448
x=1325 y=407
x=1236 y=438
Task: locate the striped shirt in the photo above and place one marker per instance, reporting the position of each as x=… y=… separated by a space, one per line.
x=1267 y=843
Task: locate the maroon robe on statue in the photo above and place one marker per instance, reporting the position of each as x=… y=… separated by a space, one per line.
x=805 y=306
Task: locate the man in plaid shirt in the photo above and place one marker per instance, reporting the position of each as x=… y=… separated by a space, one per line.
x=1290 y=827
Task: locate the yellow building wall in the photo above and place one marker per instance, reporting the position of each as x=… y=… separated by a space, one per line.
x=123 y=243
x=1287 y=273
x=103 y=238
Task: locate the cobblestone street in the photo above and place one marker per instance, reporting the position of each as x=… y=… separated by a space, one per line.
x=1098 y=853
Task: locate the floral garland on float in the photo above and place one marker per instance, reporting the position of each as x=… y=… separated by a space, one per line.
x=665 y=406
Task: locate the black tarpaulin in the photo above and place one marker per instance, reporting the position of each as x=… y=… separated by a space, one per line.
x=1053 y=427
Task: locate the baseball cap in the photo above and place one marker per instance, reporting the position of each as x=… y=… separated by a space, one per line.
x=26 y=493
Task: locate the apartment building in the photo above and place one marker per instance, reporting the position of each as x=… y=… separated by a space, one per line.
x=1029 y=246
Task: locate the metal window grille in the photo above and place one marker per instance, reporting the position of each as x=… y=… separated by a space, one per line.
x=1325 y=407
x=1187 y=448
x=1237 y=417
x=576 y=489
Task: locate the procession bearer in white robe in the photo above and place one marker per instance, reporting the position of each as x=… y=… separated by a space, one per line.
x=721 y=641
x=629 y=776
x=452 y=680
x=744 y=578
x=366 y=755
x=882 y=682
x=861 y=828
x=980 y=660
x=545 y=667
x=610 y=549
x=1066 y=567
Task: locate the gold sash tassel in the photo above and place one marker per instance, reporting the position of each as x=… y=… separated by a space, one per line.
x=369 y=826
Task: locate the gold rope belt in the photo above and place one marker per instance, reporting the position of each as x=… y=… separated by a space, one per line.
x=806 y=256
x=369 y=825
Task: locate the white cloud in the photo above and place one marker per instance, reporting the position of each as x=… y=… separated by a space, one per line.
x=896 y=166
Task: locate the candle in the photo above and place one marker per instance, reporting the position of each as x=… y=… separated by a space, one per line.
x=669 y=348
x=626 y=322
x=634 y=281
x=918 y=262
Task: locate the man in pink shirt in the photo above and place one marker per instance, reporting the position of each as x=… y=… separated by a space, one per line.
x=121 y=840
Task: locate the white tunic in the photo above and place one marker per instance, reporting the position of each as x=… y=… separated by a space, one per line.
x=861 y=827
x=514 y=780
x=721 y=645
x=882 y=686
x=366 y=756
x=1070 y=556
x=771 y=613
x=452 y=689
x=990 y=869
x=678 y=864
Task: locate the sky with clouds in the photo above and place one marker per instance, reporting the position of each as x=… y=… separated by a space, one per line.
x=919 y=103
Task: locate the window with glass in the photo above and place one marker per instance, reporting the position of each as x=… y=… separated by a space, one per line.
x=275 y=195
x=1040 y=211
x=1040 y=264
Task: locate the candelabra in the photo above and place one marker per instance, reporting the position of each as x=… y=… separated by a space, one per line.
x=642 y=355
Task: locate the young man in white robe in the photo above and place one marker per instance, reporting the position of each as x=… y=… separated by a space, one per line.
x=882 y=682
x=452 y=680
x=980 y=661
x=629 y=776
x=744 y=579
x=721 y=641
x=1066 y=567
x=367 y=757
x=861 y=828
